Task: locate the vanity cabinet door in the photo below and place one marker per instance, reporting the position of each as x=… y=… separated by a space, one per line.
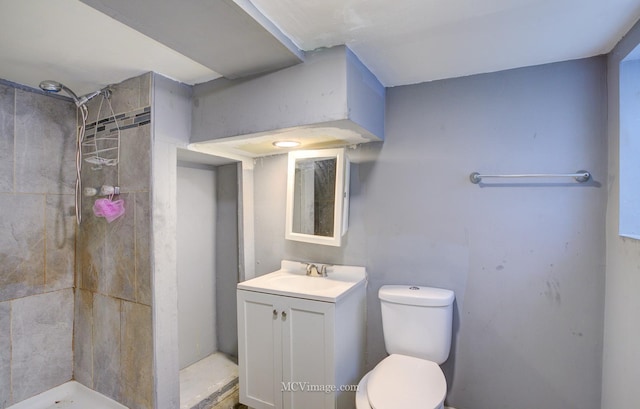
x=285 y=351
x=307 y=354
x=259 y=351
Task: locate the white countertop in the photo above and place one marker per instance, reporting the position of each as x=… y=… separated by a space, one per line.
x=291 y=280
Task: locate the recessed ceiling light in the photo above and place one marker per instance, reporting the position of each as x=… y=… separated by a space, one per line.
x=286 y=144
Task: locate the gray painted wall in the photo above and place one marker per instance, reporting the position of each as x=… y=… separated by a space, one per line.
x=227 y=258
x=207 y=260
x=197 y=261
x=172 y=128
x=621 y=356
x=526 y=260
x=332 y=88
x=277 y=100
x=172 y=108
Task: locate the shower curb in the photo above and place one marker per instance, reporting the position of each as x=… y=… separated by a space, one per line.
x=216 y=397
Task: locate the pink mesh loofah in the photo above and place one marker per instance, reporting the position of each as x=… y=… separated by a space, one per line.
x=108 y=209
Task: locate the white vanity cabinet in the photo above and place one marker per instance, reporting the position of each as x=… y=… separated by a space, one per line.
x=300 y=353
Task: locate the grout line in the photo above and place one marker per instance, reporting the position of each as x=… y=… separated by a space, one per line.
x=135 y=247
x=11 y=352
x=44 y=260
x=93 y=338
x=15 y=159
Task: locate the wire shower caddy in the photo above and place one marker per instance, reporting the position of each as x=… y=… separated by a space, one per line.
x=102 y=148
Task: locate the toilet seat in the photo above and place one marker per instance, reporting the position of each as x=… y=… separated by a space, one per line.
x=401 y=381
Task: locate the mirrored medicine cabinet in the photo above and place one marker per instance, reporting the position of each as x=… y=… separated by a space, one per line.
x=317 y=196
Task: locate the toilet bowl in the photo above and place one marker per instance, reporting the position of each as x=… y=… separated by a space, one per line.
x=416 y=324
x=400 y=381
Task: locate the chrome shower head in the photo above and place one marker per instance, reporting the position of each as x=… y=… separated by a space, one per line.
x=55 y=86
x=51 y=86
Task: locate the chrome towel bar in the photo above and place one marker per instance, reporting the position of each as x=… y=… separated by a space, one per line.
x=580 y=176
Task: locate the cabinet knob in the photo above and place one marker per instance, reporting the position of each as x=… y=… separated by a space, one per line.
x=284 y=315
x=275 y=313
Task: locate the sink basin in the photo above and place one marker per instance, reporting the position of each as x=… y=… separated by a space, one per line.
x=300 y=283
x=292 y=281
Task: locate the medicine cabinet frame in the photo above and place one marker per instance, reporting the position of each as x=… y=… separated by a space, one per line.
x=341 y=196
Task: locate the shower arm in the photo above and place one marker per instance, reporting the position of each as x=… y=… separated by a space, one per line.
x=106 y=92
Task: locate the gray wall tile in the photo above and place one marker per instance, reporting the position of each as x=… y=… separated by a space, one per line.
x=117 y=278
x=143 y=251
x=106 y=346
x=60 y=241
x=113 y=261
x=137 y=356
x=45 y=134
x=135 y=159
x=126 y=96
x=95 y=178
x=41 y=329
x=39 y=132
x=7 y=118
x=146 y=82
x=5 y=354
x=90 y=248
x=83 y=338
x=21 y=245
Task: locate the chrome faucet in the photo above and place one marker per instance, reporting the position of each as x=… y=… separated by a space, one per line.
x=313 y=271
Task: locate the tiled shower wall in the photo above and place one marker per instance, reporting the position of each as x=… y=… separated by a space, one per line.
x=37 y=236
x=113 y=344
x=109 y=347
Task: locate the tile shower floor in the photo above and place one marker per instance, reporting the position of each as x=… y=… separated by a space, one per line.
x=209 y=382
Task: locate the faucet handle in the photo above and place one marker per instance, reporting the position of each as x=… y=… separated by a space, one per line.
x=312 y=269
x=323 y=270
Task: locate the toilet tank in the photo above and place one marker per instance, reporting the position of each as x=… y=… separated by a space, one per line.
x=417 y=321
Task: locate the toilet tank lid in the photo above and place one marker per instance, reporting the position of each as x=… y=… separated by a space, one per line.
x=416 y=295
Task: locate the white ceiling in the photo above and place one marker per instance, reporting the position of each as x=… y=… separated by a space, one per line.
x=412 y=41
x=401 y=41
x=70 y=42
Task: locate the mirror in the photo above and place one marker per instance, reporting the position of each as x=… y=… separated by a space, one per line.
x=317 y=196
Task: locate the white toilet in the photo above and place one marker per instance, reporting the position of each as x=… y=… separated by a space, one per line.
x=416 y=322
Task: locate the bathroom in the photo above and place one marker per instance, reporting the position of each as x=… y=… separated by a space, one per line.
x=544 y=285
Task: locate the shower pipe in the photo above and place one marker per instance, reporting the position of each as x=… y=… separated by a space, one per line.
x=55 y=87
x=580 y=176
